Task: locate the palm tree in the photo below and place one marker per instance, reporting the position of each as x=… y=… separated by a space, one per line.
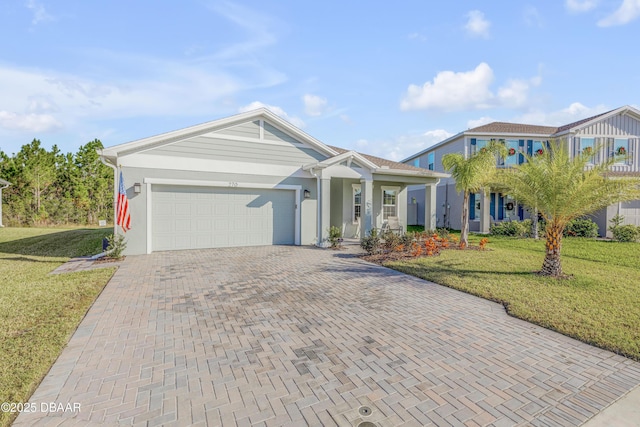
x=562 y=188
x=471 y=175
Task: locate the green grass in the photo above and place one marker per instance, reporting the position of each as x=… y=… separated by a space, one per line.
x=600 y=305
x=39 y=312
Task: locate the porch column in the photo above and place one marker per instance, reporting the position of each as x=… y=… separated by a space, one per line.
x=366 y=215
x=430 y=207
x=485 y=215
x=325 y=211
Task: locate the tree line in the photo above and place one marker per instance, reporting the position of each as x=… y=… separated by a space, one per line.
x=56 y=188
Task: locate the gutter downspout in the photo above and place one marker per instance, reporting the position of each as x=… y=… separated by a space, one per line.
x=318 y=206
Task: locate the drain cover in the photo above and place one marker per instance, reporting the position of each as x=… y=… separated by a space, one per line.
x=364 y=410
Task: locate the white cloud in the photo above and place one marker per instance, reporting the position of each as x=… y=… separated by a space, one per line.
x=402 y=146
x=68 y=98
x=28 y=122
x=532 y=17
x=39 y=12
x=579 y=6
x=345 y=118
x=274 y=109
x=314 y=105
x=574 y=112
x=455 y=91
x=417 y=36
x=479 y=122
x=628 y=11
x=452 y=91
x=477 y=26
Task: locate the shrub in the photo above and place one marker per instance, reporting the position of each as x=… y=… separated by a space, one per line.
x=407 y=238
x=390 y=239
x=335 y=236
x=626 y=233
x=116 y=246
x=581 y=227
x=371 y=243
x=509 y=228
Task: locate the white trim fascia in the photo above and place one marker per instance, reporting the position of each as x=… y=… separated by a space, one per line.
x=212 y=126
x=505 y=135
x=419 y=174
x=360 y=159
x=151 y=161
x=626 y=110
x=223 y=184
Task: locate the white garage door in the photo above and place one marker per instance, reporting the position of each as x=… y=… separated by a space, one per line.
x=185 y=217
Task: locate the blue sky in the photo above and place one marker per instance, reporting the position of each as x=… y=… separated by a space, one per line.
x=383 y=78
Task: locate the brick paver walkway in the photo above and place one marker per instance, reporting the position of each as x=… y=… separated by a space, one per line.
x=277 y=336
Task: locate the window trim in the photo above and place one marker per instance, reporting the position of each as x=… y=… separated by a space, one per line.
x=355 y=187
x=382 y=205
x=615 y=147
x=581 y=147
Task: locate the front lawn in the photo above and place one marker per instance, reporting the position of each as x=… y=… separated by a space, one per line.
x=39 y=312
x=600 y=305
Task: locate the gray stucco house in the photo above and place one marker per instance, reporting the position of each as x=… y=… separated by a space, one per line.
x=615 y=132
x=255 y=179
x=3 y=184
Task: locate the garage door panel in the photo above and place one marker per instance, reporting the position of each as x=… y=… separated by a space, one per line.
x=208 y=217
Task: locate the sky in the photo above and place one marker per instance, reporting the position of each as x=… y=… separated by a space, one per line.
x=383 y=78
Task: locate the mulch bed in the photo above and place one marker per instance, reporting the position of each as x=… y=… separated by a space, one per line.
x=398 y=256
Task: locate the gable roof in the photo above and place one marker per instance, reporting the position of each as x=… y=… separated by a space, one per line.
x=515 y=128
x=380 y=162
x=212 y=126
x=526 y=129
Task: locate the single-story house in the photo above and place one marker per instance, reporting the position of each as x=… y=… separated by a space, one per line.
x=3 y=184
x=614 y=132
x=255 y=179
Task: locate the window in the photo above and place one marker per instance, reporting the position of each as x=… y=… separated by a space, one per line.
x=587 y=145
x=621 y=149
x=480 y=144
x=538 y=148
x=389 y=202
x=416 y=162
x=431 y=161
x=357 y=202
x=512 y=146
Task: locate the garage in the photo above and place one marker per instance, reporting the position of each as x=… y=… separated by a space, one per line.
x=198 y=217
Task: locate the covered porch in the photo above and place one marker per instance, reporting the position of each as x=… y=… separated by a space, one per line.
x=358 y=193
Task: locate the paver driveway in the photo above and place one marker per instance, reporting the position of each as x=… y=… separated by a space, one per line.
x=301 y=336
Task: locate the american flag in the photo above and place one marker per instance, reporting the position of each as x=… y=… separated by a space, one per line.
x=124 y=218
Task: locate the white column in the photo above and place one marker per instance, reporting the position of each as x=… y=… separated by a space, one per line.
x=430 y=207
x=485 y=215
x=366 y=220
x=325 y=211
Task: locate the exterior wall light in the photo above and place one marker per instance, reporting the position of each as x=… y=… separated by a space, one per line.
x=137 y=188
x=307 y=194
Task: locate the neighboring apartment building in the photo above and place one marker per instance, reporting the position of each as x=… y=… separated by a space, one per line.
x=616 y=131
